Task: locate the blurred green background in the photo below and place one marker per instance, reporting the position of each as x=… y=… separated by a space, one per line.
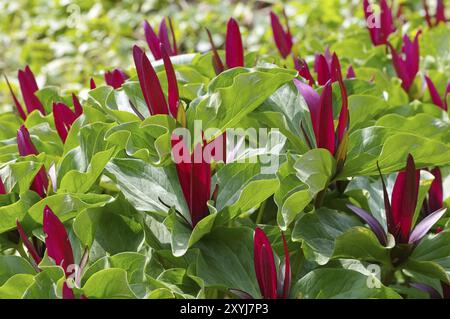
x=66 y=42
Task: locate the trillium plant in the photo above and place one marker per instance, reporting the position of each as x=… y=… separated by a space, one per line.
x=279 y=153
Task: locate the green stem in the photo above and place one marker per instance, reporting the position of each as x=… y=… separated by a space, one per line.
x=261 y=212
x=319 y=198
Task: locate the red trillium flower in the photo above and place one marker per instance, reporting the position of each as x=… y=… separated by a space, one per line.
x=92 y=84
x=2 y=187
x=154 y=40
x=350 y=73
x=26 y=147
x=234 y=50
x=19 y=107
x=270 y=285
x=64 y=116
x=30 y=247
x=439 y=16
x=150 y=85
x=194 y=175
x=115 y=78
x=379 y=27
x=435 y=193
x=321 y=109
x=400 y=211
x=406 y=63
x=303 y=70
x=283 y=38
x=442 y=103
x=59 y=247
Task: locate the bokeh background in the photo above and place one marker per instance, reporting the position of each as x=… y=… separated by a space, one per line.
x=66 y=42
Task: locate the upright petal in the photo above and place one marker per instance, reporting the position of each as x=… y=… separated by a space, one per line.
x=234 y=51
x=2 y=187
x=19 y=107
x=282 y=39
x=386 y=21
x=434 y=93
x=77 y=105
x=151 y=88
x=173 y=95
x=326 y=123
x=323 y=70
x=303 y=70
x=427 y=13
x=440 y=12
x=350 y=72
x=404 y=200
x=336 y=75
x=411 y=50
x=287 y=270
x=436 y=192
x=312 y=99
x=217 y=61
x=57 y=241
x=401 y=69
x=174 y=40
x=115 y=78
x=163 y=35
x=28 y=87
x=373 y=223
x=64 y=118
x=152 y=40
x=264 y=262
x=30 y=247
x=374 y=30
x=92 y=84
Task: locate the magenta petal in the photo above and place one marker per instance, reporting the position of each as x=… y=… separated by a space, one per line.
x=19 y=107
x=264 y=262
x=303 y=70
x=425 y=225
x=57 y=241
x=30 y=247
x=350 y=73
x=282 y=39
x=64 y=118
x=326 y=138
x=386 y=21
x=440 y=12
x=436 y=192
x=152 y=40
x=115 y=78
x=174 y=40
x=173 y=95
x=287 y=269
x=434 y=93
x=234 y=51
x=67 y=292
x=372 y=222
x=92 y=84
x=151 y=88
x=374 y=32
x=401 y=69
x=404 y=200
x=163 y=35
x=28 y=87
x=322 y=69
x=24 y=143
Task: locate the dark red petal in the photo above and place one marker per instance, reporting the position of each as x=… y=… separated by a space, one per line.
x=174 y=40
x=350 y=72
x=30 y=247
x=343 y=115
x=115 y=78
x=2 y=187
x=217 y=61
x=28 y=87
x=57 y=241
x=386 y=21
x=152 y=40
x=200 y=185
x=67 y=292
x=163 y=35
x=77 y=105
x=19 y=107
x=427 y=13
x=400 y=68
x=436 y=192
x=303 y=70
x=326 y=124
x=64 y=118
x=151 y=88
x=264 y=263
x=234 y=51
x=282 y=38
x=24 y=143
x=440 y=12
x=322 y=69
x=92 y=84
x=404 y=200
x=173 y=96
x=434 y=93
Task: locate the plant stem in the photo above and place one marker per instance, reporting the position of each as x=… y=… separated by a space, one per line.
x=261 y=212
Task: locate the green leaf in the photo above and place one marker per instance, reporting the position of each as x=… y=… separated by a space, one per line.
x=12 y=265
x=108 y=283
x=16 y=211
x=46 y=283
x=15 y=286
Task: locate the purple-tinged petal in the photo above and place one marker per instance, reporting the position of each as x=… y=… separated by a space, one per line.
x=264 y=262
x=303 y=70
x=30 y=247
x=77 y=105
x=404 y=200
x=440 y=12
x=326 y=122
x=173 y=95
x=115 y=78
x=150 y=85
x=434 y=294
x=312 y=99
x=387 y=204
x=19 y=107
x=434 y=93
x=350 y=73
x=57 y=242
x=152 y=40
x=234 y=51
x=401 y=68
x=373 y=223
x=92 y=84
x=386 y=21
x=425 y=225
x=217 y=61
x=374 y=31
x=283 y=40
x=64 y=118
